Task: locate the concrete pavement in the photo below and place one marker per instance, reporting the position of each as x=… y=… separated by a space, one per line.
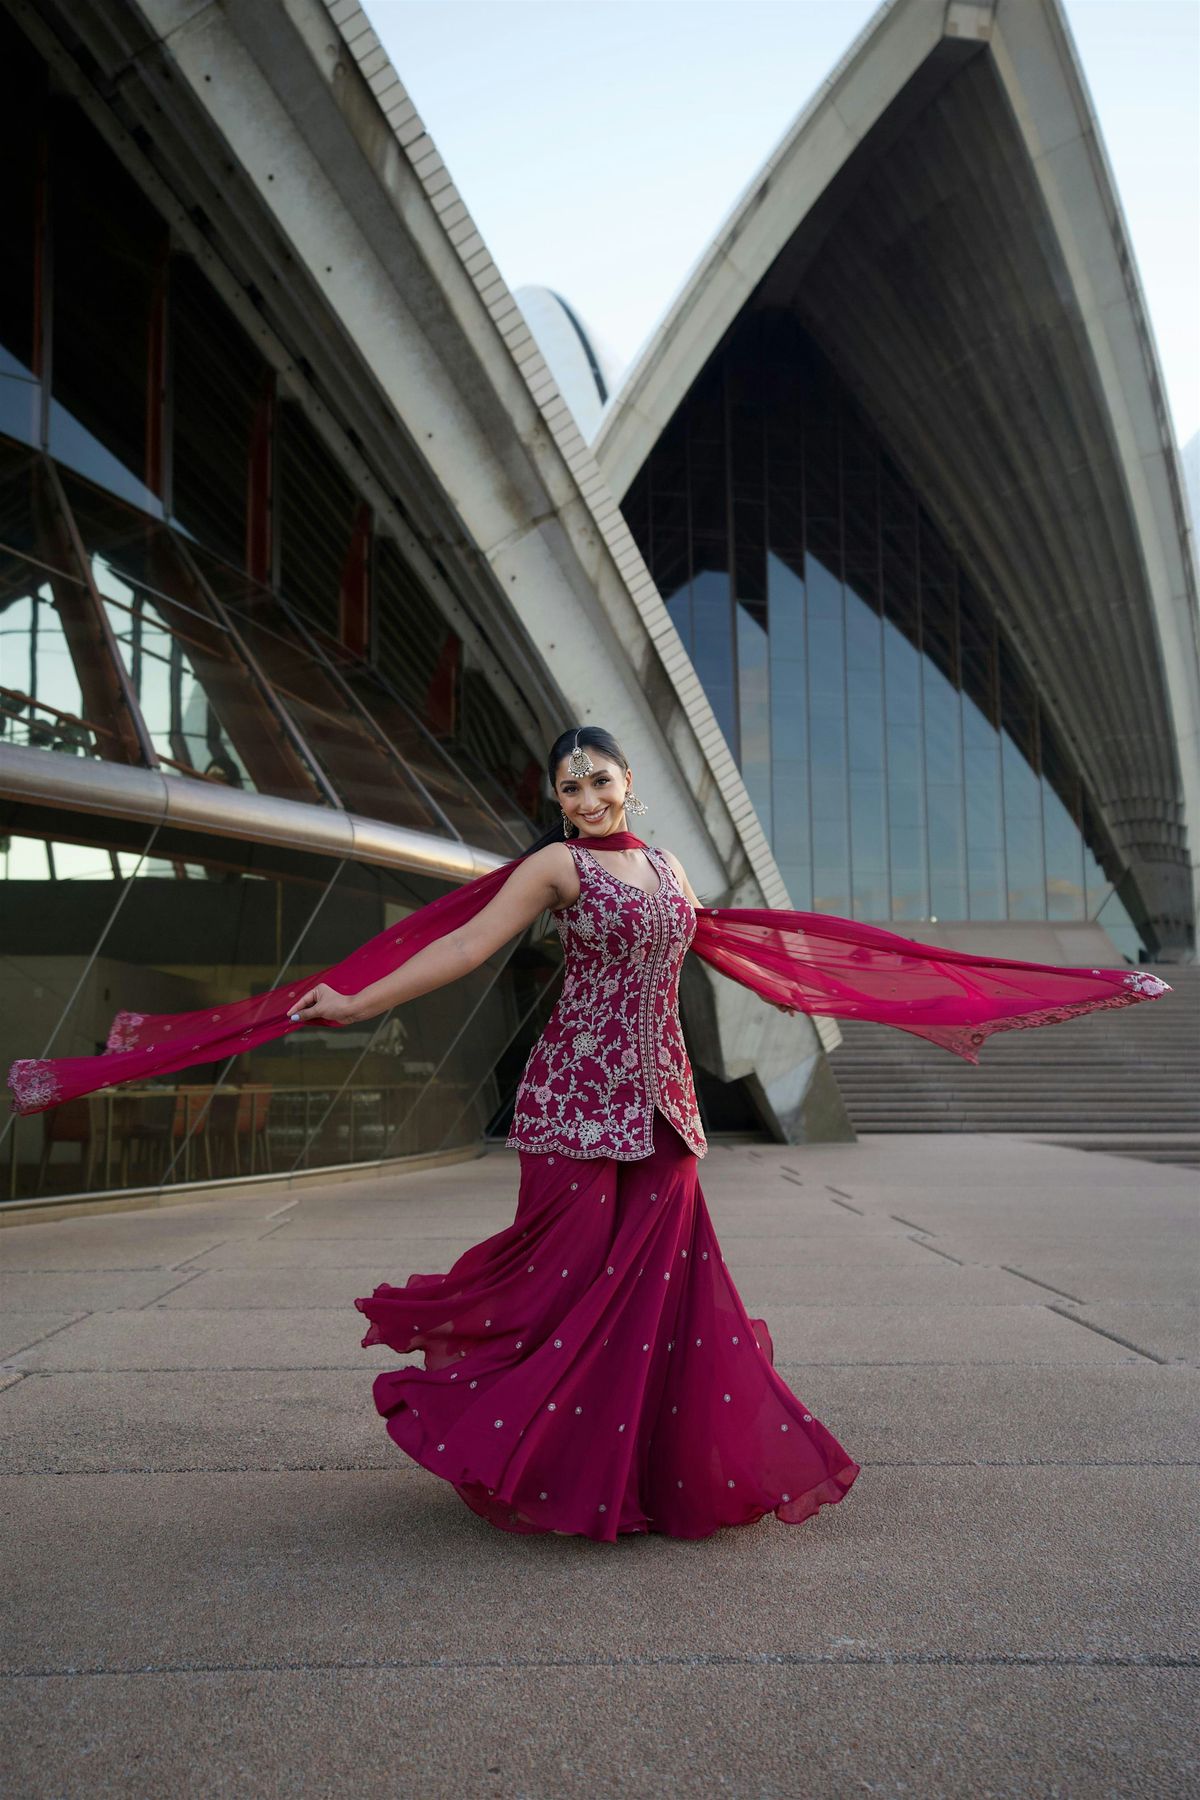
x=228 y=1581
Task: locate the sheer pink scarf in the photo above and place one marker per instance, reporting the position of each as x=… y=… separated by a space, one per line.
x=814 y=962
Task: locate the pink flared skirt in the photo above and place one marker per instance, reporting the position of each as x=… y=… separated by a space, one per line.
x=591 y=1368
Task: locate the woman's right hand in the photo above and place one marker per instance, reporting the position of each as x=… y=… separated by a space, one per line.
x=323 y=1005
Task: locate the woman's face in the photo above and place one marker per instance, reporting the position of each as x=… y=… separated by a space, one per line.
x=595 y=803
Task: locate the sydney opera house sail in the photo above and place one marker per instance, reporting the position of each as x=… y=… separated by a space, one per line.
x=312 y=537
x=899 y=461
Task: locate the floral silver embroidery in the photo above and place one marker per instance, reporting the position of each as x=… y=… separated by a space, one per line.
x=612 y=1052
x=1137 y=984
x=124 y=1032
x=1144 y=983
x=34 y=1084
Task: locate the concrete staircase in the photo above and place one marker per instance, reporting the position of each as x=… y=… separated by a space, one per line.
x=1126 y=1081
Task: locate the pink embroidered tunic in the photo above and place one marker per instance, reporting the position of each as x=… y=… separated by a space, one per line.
x=612 y=1052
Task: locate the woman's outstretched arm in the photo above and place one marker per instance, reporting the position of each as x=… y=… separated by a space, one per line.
x=543 y=881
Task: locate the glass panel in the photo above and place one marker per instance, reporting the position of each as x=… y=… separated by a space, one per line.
x=714 y=652
x=666 y=513
x=826 y=646
x=868 y=812
x=519 y=812
x=363 y=767
x=750 y=584
x=1062 y=812
x=491 y=822
x=29 y=522
x=986 y=896
x=792 y=830
x=419 y=655
x=41 y=701
x=206 y=921
x=59 y=900
x=60 y=685
x=828 y=748
x=487 y=743
x=713 y=647
x=754 y=707
x=944 y=791
x=902 y=690
x=217 y=384
x=864 y=674
x=319 y=510
x=22 y=114
x=671 y=566
x=206 y=713
x=110 y=259
x=1026 y=869
x=985 y=816
x=790 y=816
x=1115 y=917
x=941 y=707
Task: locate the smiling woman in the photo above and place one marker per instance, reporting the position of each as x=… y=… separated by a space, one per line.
x=591 y=1369
x=607 y=1300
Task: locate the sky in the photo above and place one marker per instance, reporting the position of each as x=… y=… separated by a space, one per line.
x=599 y=144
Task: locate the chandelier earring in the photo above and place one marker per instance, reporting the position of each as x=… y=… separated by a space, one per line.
x=634 y=805
x=567 y=831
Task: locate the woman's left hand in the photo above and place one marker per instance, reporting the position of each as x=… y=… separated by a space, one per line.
x=323 y=1005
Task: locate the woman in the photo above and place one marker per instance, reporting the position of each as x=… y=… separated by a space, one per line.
x=591 y=1369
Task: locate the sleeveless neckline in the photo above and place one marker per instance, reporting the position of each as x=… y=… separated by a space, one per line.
x=631 y=886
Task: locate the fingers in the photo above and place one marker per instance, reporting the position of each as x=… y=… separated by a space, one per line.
x=303 y=1006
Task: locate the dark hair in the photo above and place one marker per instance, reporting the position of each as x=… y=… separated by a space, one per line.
x=591 y=737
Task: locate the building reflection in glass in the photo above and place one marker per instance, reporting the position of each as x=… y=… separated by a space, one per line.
x=166 y=921
x=190 y=582
x=893 y=745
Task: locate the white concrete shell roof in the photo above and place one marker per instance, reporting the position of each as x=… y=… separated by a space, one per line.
x=1112 y=642
x=582 y=368
x=292 y=165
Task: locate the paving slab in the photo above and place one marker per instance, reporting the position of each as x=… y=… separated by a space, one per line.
x=1093 y=1275
x=1122 y=1413
x=176 y=1570
x=1170 y=1329
x=176 y=1419
x=228 y=1580
x=162 y=1338
x=447 y=1220
x=926 y=1281
x=85 y=1290
x=594 y=1731
x=385 y=1254
x=287 y=1289
x=19 y=1331
x=945 y=1334
x=116 y=1243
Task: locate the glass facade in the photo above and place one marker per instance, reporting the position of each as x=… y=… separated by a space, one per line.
x=191 y=583
x=109 y=915
x=893 y=744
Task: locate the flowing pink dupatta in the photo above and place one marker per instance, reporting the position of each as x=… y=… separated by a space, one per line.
x=815 y=962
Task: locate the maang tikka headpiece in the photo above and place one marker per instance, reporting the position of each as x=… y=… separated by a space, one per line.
x=579 y=762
